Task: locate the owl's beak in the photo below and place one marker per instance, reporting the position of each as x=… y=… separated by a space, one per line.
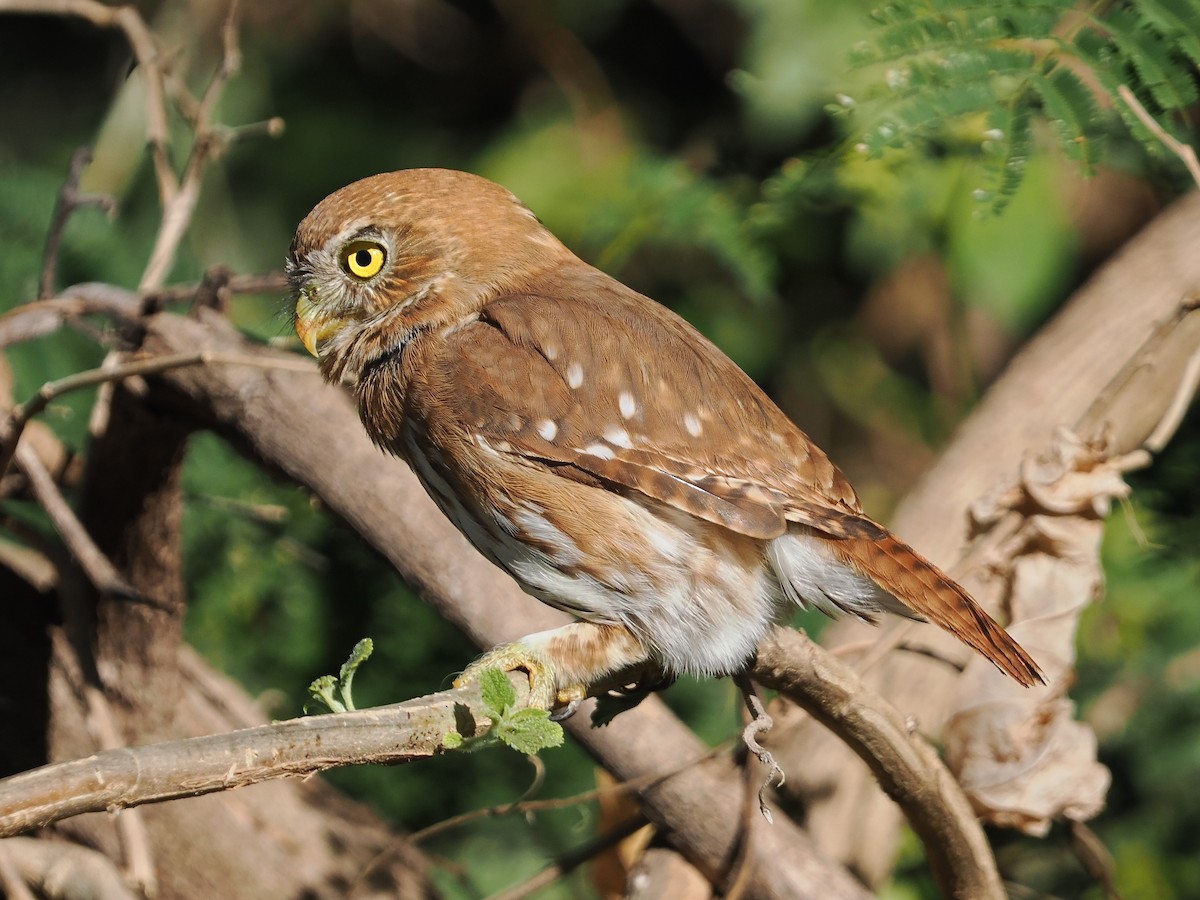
x=312 y=325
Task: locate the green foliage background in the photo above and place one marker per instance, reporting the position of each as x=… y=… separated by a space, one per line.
x=709 y=155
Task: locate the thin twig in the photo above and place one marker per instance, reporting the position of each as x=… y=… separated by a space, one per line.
x=405 y=841
x=1173 y=415
x=569 y=862
x=206 y=144
x=527 y=806
x=178 y=195
x=99 y=569
x=1186 y=154
x=521 y=805
x=69 y=199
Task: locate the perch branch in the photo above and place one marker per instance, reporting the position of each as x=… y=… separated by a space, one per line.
x=131 y=776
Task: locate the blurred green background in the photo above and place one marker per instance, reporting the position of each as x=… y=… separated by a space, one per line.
x=687 y=148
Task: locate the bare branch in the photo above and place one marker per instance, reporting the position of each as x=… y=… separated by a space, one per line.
x=206 y=144
x=43 y=317
x=69 y=200
x=131 y=776
x=907 y=768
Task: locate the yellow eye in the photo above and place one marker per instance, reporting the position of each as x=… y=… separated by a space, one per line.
x=363 y=259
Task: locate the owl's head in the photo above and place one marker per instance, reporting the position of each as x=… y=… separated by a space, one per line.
x=392 y=255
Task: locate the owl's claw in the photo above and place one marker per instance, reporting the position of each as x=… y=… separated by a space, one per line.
x=544 y=692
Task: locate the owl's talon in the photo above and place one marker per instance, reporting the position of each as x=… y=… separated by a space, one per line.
x=543 y=692
x=565 y=710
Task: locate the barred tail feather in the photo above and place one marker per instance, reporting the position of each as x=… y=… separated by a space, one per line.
x=928 y=593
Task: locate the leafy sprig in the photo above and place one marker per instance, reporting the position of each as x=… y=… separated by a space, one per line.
x=526 y=730
x=977 y=77
x=323 y=689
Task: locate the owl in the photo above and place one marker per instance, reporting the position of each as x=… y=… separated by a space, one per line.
x=592 y=443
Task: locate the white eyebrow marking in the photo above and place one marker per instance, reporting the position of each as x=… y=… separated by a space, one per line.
x=692 y=424
x=574 y=375
x=618 y=437
x=599 y=451
x=627 y=404
x=547 y=429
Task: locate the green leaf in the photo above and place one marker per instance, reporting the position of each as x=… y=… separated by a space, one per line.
x=528 y=730
x=361 y=652
x=497 y=691
x=321 y=690
x=452 y=740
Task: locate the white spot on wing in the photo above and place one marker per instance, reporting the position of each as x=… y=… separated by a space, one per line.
x=574 y=375
x=547 y=429
x=600 y=451
x=618 y=437
x=551 y=351
x=692 y=424
x=627 y=404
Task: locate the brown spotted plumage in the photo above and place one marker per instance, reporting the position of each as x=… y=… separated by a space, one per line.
x=590 y=441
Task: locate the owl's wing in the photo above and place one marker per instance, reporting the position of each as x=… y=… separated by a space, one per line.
x=603 y=384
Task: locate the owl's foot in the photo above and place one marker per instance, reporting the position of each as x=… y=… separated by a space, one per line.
x=760 y=723
x=544 y=691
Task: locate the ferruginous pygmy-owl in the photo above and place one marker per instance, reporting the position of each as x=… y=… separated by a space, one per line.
x=592 y=443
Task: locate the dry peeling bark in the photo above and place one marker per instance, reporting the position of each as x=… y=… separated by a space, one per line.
x=1020 y=755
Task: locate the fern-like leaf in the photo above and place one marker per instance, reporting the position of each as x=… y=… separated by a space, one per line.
x=942 y=67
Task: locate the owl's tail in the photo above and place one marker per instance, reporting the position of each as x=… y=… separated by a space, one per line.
x=920 y=586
